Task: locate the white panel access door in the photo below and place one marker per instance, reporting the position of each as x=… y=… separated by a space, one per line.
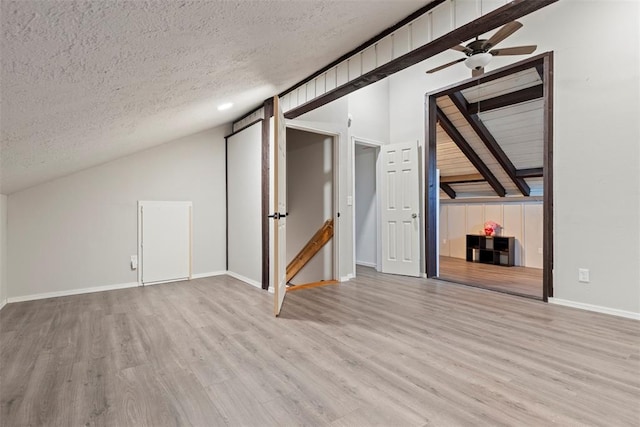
x=400 y=209
x=165 y=241
x=279 y=206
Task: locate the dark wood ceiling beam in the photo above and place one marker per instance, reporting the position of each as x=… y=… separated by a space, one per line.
x=530 y=173
x=462 y=179
x=466 y=149
x=523 y=95
x=448 y=190
x=492 y=20
x=490 y=142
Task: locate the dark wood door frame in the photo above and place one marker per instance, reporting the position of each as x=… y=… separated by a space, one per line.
x=543 y=63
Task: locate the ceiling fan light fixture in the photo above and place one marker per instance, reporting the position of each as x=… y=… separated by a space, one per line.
x=478 y=61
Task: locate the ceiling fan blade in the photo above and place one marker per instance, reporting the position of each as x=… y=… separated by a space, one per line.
x=502 y=34
x=442 y=67
x=462 y=49
x=518 y=50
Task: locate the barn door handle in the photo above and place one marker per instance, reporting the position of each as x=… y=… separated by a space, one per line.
x=278 y=215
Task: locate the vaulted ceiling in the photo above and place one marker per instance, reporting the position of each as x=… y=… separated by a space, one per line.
x=490 y=137
x=85 y=82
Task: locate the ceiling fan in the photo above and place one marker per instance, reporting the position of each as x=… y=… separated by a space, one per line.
x=480 y=51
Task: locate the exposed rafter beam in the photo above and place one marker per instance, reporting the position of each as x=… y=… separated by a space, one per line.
x=490 y=142
x=492 y=20
x=462 y=179
x=466 y=149
x=448 y=190
x=523 y=95
x=530 y=173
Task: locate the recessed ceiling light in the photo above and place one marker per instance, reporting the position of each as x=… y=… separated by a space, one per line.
x=225 y=106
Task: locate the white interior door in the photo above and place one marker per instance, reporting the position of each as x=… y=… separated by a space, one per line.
x=165 y=241
x=400 y=200
x=279 y=206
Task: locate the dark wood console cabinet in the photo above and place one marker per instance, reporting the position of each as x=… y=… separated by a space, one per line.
x=497 y=250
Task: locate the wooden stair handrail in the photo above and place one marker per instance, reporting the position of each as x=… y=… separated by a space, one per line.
x=313 y=246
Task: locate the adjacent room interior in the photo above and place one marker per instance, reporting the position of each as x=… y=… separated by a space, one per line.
x=490 y=154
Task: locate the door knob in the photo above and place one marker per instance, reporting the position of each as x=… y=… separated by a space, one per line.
x=413 y=215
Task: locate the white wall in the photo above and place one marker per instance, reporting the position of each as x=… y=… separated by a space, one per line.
x=309 y=200
x=79 y=231
x=3 y=250
x=596 y=140
x=365 y=205
x=522 y=220
x=369 y=112
x=244 y=183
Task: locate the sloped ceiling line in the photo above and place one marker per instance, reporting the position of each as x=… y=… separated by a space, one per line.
x=466 y=149
x=489 y=141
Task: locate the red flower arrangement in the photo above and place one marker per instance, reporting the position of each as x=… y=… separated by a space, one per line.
x=490 y=228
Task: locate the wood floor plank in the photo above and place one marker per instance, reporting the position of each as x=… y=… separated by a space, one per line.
x=517 y=280
x=377 y=350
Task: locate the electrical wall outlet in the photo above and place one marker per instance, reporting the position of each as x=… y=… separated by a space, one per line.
x=583 y=275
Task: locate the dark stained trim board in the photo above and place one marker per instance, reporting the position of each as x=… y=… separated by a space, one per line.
x=534 y=61
x=517 y=97
x=226 y=199
x=447 y=189
x=547 y=227
x=530 y=173
x=503 y=15
x=433 y=193
x=266 y=147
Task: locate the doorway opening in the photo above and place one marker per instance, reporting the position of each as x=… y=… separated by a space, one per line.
x=366 y=218
x=489 y=180
x=311 y=201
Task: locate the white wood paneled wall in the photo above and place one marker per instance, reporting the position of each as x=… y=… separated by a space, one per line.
x=522 y=220
x=439 y=21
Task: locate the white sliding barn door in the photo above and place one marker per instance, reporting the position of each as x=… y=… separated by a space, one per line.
x=165 y=241
x=279 y=206
x=400 y=209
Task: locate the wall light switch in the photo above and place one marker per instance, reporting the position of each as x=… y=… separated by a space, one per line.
x=349 y=200
x=540 y=251
x=583 y=275
x=134 y=262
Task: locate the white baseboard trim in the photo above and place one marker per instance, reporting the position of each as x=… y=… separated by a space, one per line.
x=162 y=282
x=596 y=308
x=366 y=264
x=347 y=277
x=212 y=274
x=71 y=292
x=3 y=303
x=245 y=279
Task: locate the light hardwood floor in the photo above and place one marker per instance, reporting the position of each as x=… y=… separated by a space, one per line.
x=378 y=350
x=516 y=280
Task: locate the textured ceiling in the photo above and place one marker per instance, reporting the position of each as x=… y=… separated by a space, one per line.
x=84 y=82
